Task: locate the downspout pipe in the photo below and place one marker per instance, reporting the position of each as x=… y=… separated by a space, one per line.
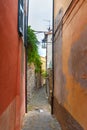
x=26 y=80
x=52 y=98
x=26 y=57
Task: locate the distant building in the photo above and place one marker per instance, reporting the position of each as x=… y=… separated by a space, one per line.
x=13 y=27
x=49 y=49
x=47 y=44
x=43 y=69
x=43 y=60
x=49 y=84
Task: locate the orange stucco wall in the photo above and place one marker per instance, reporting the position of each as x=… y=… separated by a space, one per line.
x=61 y=4
x=12 y=68
x=70 y=84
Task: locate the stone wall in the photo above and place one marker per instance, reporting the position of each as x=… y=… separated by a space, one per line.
x=49 y=84
x=30 y=81
x=38 y=80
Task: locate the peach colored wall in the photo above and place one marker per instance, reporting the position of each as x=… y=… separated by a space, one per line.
x=43 y=60
x=61 y=4
x=12 y=68
x=70 y=85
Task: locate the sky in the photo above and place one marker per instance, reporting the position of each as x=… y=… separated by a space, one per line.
x=40 y=13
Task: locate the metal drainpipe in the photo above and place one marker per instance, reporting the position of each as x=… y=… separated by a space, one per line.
x=26 y=61
x=52 y=98
x=46 y=67
x=26 y=81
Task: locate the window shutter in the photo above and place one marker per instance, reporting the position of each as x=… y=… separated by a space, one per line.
x=20 y=17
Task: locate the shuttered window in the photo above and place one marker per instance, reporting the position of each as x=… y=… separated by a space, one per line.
x=21 y=17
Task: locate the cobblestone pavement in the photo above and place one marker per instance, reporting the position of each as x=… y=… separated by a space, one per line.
x=39 y=118
x=39 y=100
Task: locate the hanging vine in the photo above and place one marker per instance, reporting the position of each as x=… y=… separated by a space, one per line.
x=33 y=55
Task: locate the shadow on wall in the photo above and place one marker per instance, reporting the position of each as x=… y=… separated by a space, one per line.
x=59 y=77
x=78 y=60
x=60 y=91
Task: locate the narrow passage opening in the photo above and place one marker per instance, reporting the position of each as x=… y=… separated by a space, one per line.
x=39 y=64
x=39 y=68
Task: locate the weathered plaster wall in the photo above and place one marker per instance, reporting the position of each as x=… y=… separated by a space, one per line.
x=61 y=5
x=49 y=50
x=49 y=84
x=70 y=63
x=12 y=73
x=31 y=84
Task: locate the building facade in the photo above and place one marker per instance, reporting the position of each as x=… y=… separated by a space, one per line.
x=49 y=49
x=49 y=64
x=13 y=14
x=70 y=63
x=43 y=69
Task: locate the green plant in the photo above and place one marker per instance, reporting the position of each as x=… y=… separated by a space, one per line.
x=44 y=74
x=33 y=55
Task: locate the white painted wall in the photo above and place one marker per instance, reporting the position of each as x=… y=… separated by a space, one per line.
x=49 y=51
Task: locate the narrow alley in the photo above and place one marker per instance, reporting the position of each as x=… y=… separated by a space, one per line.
x=43 y=61
x=39 y=117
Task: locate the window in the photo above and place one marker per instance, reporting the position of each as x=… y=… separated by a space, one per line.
x=26 y=5
x=21 y=17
